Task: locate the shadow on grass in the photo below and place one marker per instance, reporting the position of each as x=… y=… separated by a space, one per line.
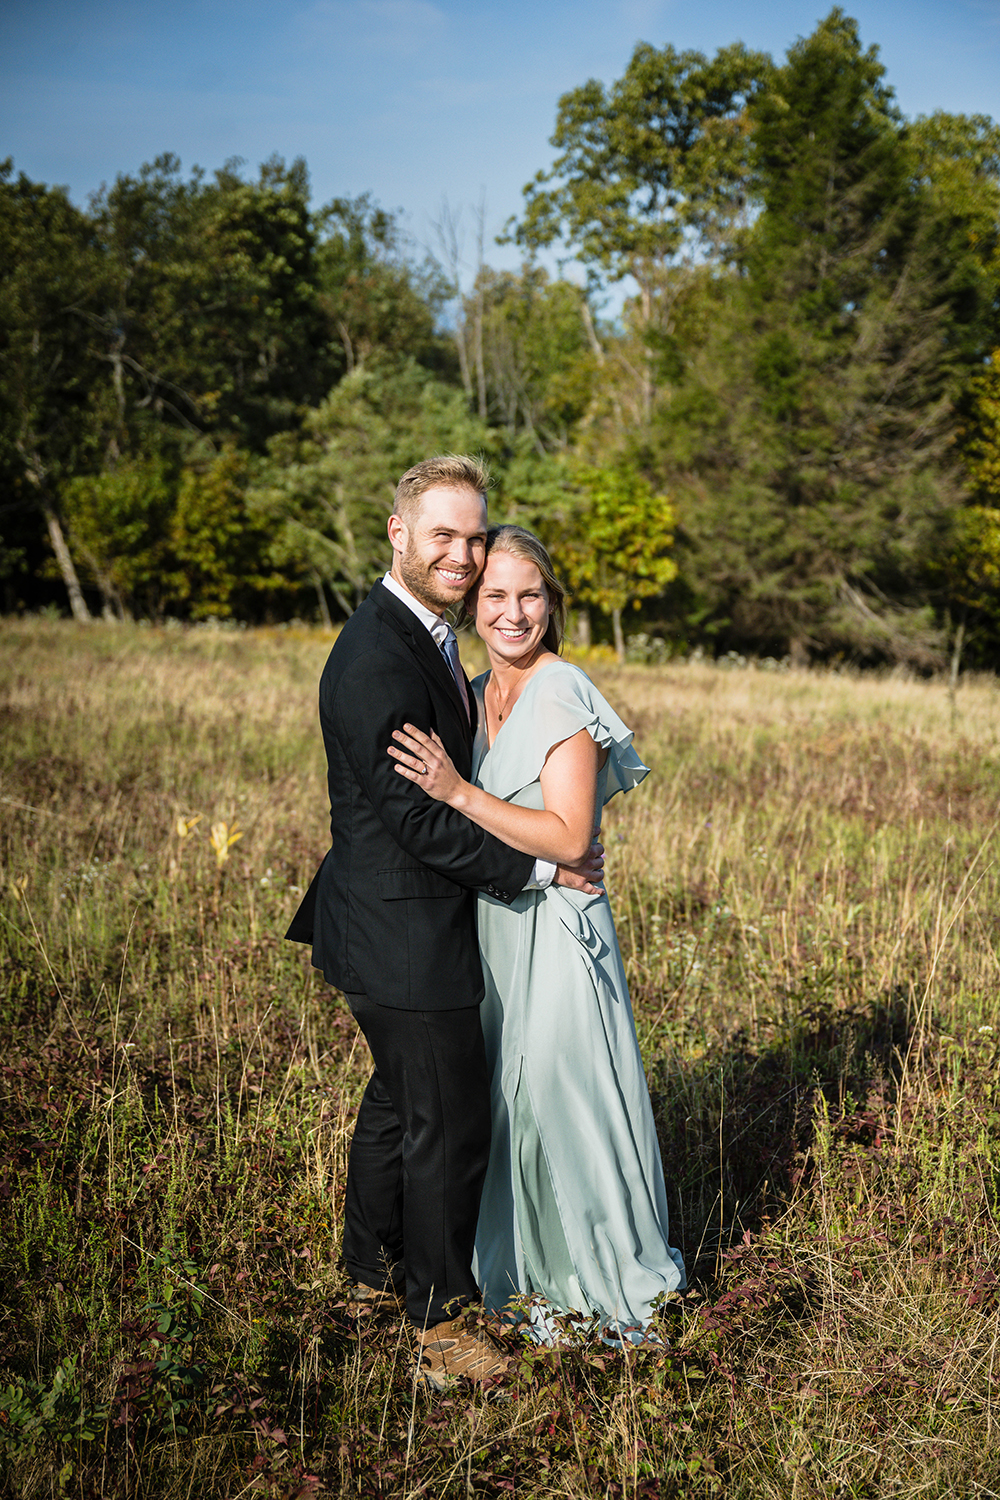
x=736 y=1126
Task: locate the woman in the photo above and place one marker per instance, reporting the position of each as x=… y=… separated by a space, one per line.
x=574 y=1211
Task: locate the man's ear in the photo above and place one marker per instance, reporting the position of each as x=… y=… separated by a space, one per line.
x=397 y=533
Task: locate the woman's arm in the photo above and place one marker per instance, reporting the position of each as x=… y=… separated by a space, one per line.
x=561 y=832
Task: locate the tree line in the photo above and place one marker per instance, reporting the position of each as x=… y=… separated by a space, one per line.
x=788 y=442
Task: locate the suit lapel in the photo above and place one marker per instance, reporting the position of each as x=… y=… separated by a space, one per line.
x=473 y=705
x=428 y=653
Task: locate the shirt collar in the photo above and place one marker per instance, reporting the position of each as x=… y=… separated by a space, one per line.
x=438 y=628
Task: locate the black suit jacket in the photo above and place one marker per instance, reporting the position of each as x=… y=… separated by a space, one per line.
x=391 y=911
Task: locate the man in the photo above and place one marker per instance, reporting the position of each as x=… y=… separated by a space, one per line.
x=391 y=918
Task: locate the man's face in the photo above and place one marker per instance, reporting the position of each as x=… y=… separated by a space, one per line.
x=441 y=554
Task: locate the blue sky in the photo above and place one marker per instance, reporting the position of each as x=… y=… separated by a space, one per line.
x=414 y=101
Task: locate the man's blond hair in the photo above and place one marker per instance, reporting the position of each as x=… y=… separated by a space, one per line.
x=456 y=471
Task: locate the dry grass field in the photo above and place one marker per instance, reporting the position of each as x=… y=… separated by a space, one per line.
x=808 y=897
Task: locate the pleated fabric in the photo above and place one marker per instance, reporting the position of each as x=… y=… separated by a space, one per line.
x=574 y=1210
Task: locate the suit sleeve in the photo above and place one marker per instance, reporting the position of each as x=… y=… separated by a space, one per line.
x=375 y=696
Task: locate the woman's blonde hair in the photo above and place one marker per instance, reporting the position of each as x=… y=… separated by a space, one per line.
x=516 y=541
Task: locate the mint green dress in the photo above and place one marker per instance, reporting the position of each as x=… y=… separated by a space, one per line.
x=574 y=1210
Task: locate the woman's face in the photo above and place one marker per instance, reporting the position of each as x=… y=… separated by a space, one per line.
x=511 y=608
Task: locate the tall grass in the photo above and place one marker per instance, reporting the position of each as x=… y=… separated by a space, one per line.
x=808 y=900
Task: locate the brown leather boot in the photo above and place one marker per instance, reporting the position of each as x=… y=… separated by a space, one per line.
x=451 y=1350
x=372 y=1301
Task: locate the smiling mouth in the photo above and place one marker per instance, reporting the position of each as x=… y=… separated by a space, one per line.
x=450 y=576
x=511 y=635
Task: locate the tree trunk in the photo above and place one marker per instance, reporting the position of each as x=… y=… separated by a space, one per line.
x=591 y=331
x=583 y=628
x=447 y=233
x=480 y=312
x=616 y=625
x=478 y=352
x=647 y=356
x=324 y=608
x=77 y=602
x=956 y=660
x=345 y=339
x=463 y=357
x=112 y=605
x=342 y=603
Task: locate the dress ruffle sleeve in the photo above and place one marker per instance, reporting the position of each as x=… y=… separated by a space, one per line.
x=560 y=700
x=574 y=1212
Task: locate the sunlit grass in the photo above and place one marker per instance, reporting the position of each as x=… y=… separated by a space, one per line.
x=808 y=899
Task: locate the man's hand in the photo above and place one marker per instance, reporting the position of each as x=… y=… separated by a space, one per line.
x=587 y=876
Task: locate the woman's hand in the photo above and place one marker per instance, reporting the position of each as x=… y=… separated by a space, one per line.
x=424 y=759
x=560 y=832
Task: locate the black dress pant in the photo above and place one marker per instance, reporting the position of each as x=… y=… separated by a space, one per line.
x=418 y=1157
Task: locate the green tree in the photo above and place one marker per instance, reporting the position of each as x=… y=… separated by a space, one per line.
x=205 y=320
x=957 y=186
x=220 y=546
x=811 y=446
x=982 y=432
x=974 y=559
x=118 y=522
x=610 y=540
x=966 y=570
x=212 y=320
x=539 y=364
x=375 y=297
x=183 y=317
x=651 y=171
x=326 y=492
x=50 y=277
x=648 y=165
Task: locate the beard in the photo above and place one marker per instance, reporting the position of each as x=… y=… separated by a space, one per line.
x=421 y=580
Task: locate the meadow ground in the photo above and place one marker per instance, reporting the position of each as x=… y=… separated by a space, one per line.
x=808 y=898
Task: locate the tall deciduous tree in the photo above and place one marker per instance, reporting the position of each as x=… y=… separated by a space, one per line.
x=611 y=537
x=817 y=429
x=376 y=297
x=982 y=432
x=50 y=274
x=650 y=171
x=207 y=324
x=539 y=365
x=119 y=520
x=212 y=319
x=325 y=493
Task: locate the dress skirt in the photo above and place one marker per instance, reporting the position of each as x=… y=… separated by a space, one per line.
x=574 y=1210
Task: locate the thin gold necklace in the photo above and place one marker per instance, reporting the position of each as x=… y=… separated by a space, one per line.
x=496 y=695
